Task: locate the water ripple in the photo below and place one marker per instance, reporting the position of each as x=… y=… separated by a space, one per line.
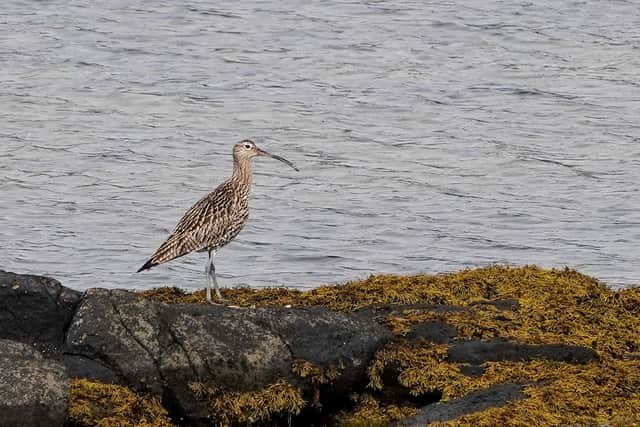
x=430 y=137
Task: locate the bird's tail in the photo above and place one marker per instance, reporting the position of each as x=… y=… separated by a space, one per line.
x=147 y=265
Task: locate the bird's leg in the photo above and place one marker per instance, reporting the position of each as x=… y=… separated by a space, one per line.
x=211 y=277
x=207 y=271
x=215 y=282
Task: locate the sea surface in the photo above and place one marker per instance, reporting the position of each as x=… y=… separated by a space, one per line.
x=431 y=136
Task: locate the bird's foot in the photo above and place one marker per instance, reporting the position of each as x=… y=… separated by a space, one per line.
x=223 y=303
x=220 y=300
x=217 y=301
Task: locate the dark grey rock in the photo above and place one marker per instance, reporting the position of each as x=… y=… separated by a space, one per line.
x=35 y=309
x=163 y=348
x=323 y=336
x=436 y=331
x=327 y=338
x=79 y=366
x=33 y=390
x=501 y=304
x=477 y=352
x=477 y=401
x=218 y=345
x=121 y=330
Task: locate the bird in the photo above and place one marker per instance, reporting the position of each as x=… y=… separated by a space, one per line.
x=217 y=218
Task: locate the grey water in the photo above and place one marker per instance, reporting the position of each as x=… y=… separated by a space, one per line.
x=431 y=136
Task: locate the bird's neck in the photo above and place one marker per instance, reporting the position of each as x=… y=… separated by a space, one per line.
x=241 y=172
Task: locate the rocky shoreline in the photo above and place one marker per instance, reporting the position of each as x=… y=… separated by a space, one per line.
x=455 y=349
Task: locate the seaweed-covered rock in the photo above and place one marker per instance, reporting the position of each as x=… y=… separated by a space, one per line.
x=491 y=346
x=33 y=391
x=94 y=403
x=552 y=331
x=176 y=349
x=35 y=309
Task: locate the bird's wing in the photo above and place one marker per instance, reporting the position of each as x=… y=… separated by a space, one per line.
x=199 y=214
x=197 y=228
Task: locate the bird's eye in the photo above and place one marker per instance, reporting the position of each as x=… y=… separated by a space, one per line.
x=247 y=146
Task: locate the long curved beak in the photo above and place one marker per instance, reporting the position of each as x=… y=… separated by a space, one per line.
x=273 y=156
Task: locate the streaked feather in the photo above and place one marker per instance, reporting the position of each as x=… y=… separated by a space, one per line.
x=210 y=223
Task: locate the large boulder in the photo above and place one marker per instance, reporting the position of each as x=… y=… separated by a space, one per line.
x=165 y=349
x=33 y=390
x=35 y=309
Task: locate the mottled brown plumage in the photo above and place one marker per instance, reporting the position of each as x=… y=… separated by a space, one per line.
x=216 y=218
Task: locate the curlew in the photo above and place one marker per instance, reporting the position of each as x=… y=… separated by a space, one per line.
x=216 y=218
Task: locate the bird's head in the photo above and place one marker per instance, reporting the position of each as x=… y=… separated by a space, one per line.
x=246 y=149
